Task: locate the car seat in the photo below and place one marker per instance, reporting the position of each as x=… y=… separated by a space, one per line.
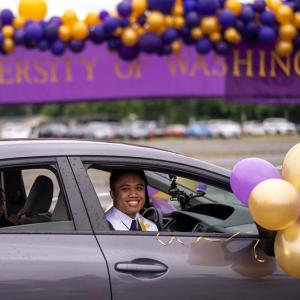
x=38 y=201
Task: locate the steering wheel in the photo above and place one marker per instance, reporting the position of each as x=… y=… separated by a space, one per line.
x=153 y=214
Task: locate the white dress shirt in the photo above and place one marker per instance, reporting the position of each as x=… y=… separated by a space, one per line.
x=121 y=221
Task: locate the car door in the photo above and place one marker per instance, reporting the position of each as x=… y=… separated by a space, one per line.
x=183 y=265
x=54 y=259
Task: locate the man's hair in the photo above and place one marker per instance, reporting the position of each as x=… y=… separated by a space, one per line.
x=118 y=173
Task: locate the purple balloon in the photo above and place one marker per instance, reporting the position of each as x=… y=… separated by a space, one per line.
x=249 y=172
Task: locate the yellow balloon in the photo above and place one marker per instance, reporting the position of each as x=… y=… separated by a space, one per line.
x=138 y=7
x=284 y=14
x=8 y=46
x=274 y=204
x=284 y=48
x=215 y=37
x=179 y=22
x=176 y=47
x=231 y=35
x=129 y=37
x=235 y=6
x=156 y=21
x=287 y=249
x=291 y=167
x=178 y=9
x=209 y=25
x=69 y=17
x=287 y=32
x=80 y=30
x=169 y=21
x=18 y=22
x=8 y=31
x=64 y=33
x=35 y=10
x=140 y=31
x=197 y=33
x=273 y=4
x=296 y=20
x=118 y=32
x=91 y=19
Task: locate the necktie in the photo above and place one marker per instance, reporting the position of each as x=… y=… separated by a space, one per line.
x=134 y=225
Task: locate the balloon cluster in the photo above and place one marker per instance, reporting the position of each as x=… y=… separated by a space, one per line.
x=157 y=26
x=274 y=202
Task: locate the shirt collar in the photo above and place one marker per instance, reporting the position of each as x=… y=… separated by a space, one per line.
x=125 y=219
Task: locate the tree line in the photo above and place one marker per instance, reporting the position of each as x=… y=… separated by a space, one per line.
x=169 y=110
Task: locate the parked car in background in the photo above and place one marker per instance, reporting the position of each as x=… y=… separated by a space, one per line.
x=15 y=130
x=278 y=126
x=198 y=129
x=224 y=128
x=175 y=130
x=98 y=131
x=52 y=130
x=63 y=248
x=253 y=128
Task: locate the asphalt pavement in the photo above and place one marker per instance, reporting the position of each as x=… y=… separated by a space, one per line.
x=227 y=153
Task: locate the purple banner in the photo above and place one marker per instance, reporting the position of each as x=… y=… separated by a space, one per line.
x=31 y=76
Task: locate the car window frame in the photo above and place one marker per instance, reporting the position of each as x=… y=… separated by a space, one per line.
x=67 y=184
x=191 y=172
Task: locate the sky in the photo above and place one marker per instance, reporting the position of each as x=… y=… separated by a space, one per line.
x=82 y=7
x=58 y=7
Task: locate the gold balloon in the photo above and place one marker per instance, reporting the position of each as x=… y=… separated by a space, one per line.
x=169 y=21
x=35 y=10
x=235 y=6
x=129 y=37
x=138 y=7
x=296 y=20
x=231 y=35
x=64 y=33
x=179 y=22
x=215 y=37
x=140 y=31
x=91 y=19
x=284 y=48
x=197 y=33
x=291 y=167
x=18 y=22
x=156 y=21
x=176 y=47
x=284 y=14
x=273 y=4
x=8 y=31
x=8 y=46
x=287 y=32
x=274 y=204
x=80 y=30
x=118 y=32
x=209 y=25
x=287 y=249
x=178 y=9
x=69 y=17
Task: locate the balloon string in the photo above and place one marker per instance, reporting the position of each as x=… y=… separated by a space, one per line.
x=255 y=254
x=197 y=240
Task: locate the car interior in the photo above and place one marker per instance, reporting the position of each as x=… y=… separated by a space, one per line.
x=33 y=200
x=178 y=204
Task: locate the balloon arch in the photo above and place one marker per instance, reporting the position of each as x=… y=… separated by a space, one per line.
x=156 y=26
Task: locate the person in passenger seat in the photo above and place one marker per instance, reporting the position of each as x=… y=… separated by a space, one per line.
x=13 y=219
x=128 y=191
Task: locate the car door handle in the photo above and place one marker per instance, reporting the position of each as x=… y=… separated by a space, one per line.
x=130 y=267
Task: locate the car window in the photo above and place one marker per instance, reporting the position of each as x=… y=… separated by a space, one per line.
x=186 y=205
x=33 y=201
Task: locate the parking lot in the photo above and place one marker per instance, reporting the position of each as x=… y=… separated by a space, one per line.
x=227 y=152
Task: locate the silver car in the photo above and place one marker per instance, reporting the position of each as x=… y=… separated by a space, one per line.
x=56 y=243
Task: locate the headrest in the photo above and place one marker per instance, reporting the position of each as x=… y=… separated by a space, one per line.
x=40 y=196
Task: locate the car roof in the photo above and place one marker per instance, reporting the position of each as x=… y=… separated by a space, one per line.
x=31 y=148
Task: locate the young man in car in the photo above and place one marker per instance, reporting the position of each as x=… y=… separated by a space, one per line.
x=128 y=191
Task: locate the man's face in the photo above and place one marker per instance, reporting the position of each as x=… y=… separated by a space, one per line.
x=128 y=194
